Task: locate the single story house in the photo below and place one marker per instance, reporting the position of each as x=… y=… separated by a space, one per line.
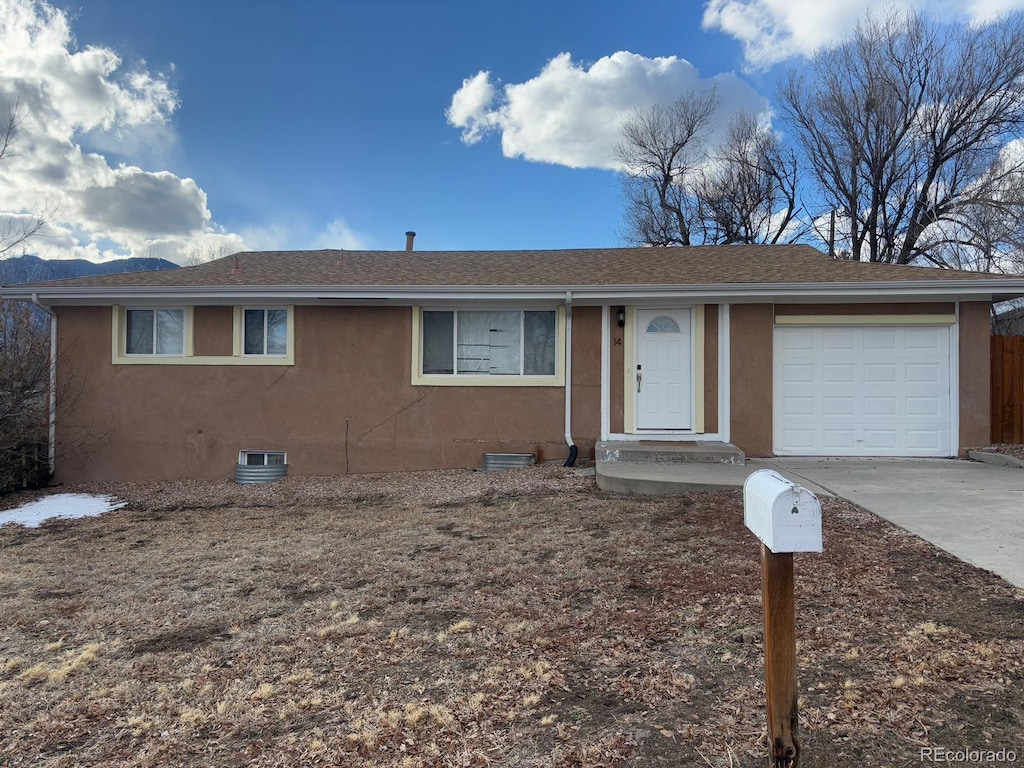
x=360 y=361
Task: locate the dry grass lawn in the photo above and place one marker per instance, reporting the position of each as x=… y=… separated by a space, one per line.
x=519 y=620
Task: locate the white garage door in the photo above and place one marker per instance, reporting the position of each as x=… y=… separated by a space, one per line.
x=862 y=391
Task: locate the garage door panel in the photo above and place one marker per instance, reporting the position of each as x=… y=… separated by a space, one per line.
x=923 y=406
x=835 y=373
x=925 y=339
x=880 y=373
x=839 y=440
x=797 y=372
x=880 y=339
x=837 y=339
x=800 y=339
x=880 y=405
x=800 y=438
x=862 y=391
x=881 y=440
x=838 y=406
x=922 y=373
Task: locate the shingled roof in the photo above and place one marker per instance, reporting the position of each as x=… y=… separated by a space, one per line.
x=701 y=265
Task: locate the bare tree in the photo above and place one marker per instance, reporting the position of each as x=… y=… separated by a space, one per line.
x=904 y=129
x=24 y=355
x=24 y=396
x=201 y=255
x=749 y=193
x=661 y=152
x=681 y=191
x=15 y=230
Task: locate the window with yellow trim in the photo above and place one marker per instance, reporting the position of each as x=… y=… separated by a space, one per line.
x=265 y=332
x=158 y=332
x=489 y=342
x=488 y=346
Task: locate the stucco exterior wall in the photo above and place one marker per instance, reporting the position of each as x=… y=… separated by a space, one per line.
x=347 y=405
x=213 y=331
x=711 y=368
x=616 y=384
x=751 y=331
x=975 y=375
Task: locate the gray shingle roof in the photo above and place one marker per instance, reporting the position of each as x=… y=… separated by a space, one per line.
x=702 y=265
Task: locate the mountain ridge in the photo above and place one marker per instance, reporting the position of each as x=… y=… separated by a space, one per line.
x=30 y=269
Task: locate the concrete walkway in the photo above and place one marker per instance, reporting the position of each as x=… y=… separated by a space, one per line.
x=972 y=510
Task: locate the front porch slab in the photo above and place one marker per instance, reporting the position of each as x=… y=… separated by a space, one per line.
x=665 y=479
x=668 y=452
x=663 y=467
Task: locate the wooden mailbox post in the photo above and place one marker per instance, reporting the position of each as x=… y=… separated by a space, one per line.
x=787 y=519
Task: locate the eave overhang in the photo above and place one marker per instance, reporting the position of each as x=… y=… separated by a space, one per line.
x=888 y=291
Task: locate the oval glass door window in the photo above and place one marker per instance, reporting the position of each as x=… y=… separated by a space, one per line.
x=663 y=324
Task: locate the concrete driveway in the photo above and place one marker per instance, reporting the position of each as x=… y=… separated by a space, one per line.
x=972 y=510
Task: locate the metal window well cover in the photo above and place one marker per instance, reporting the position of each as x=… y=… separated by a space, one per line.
x=260 y=473
x=495 y=462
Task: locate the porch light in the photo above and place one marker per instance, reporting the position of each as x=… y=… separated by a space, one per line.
x=620 y=317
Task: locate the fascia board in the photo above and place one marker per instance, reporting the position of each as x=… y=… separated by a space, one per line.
x=982 y=289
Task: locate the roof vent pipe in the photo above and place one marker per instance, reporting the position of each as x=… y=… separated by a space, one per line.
x=409 y=237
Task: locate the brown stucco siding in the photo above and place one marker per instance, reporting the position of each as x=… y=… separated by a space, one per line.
x=347 y=404
x=617 y=363
x=751 y=328
x=213 y=331
x=586 y=381
x=975 y=374
x=711 y=368
x=926 y=308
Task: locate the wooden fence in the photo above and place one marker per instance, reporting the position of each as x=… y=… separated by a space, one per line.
x=1007 y=389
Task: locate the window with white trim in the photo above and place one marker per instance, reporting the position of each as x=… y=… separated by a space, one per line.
x=265 y=332
x=489 y=343
x=262 y=458
x=155 y=332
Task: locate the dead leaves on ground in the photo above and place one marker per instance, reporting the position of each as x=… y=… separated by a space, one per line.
x=566 y=628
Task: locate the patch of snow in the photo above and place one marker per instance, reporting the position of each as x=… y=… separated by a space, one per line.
x=64 y=505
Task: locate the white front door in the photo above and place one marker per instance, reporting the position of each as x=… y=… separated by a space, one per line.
x=663 y=369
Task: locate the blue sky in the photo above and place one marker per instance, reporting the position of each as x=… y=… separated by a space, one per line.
x=166 y=126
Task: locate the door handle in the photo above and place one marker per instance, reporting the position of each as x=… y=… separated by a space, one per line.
x=639 y=379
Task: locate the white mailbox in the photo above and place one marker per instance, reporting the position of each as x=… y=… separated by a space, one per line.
x=782 y=514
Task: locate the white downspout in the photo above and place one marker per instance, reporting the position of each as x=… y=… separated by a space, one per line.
x=568 y=381
x=51 y=447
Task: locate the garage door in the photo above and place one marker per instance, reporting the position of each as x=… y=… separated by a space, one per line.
x=862 y=391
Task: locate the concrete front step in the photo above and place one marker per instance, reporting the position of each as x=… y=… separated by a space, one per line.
x=655 y=452
x=669 y=479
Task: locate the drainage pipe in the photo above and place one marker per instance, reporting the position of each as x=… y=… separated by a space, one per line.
x=568 y=382
x=51 y=441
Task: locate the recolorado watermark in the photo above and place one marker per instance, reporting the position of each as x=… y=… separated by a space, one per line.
x=967 y=755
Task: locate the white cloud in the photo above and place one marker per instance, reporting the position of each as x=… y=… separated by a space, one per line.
x=338 y=234
x=300 y=235
x=470 y=108
x=571 y=115
x=75 y=104
x=775 y=30
x=982 y=11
